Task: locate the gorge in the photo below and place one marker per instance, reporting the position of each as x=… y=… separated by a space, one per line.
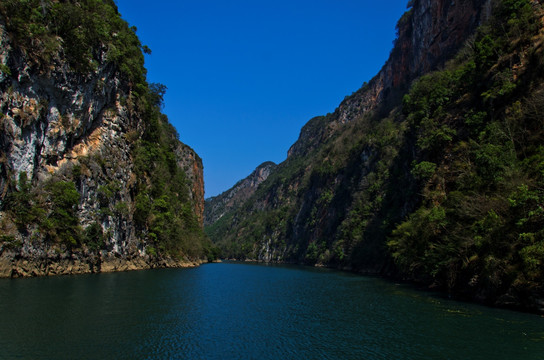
x=432 y=172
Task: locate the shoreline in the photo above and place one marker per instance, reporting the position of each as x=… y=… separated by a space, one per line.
x=21 y=267
x=16 y=266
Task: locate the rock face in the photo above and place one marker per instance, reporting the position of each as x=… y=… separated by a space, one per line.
x=217 y=206
x=63 y=125
x=191 y=163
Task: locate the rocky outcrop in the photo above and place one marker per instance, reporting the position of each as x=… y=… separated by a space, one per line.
x=217 y=206
x=191 y=163
x=61 y=124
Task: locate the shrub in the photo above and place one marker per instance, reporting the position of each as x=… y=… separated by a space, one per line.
x=423 y=170
x=94 y=237
x=62 y=224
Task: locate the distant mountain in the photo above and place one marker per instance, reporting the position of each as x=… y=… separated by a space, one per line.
x=217 y=206
x=92 y=175
x=432 y=172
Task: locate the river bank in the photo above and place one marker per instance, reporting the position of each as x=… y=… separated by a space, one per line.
x=13 y=265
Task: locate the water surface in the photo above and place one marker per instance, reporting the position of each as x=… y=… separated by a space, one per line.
x=246 y=311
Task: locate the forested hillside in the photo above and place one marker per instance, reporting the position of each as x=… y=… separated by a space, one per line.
x=432 y=172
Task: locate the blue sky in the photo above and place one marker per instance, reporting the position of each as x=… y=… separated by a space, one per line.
x=243 y=77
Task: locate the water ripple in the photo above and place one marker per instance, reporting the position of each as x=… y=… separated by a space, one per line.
x=241 y=311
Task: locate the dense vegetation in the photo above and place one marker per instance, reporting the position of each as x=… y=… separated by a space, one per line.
x=84 y=30
x=52 y=209
x=163 y=207
x=87 y=34
x=478 y=129
x=447 y=189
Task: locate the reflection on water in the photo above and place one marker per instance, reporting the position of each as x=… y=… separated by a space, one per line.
x=246 y=311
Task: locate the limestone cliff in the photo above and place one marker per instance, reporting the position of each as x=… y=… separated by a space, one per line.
x=76 y=129
x=217 y=206
x=191 y=163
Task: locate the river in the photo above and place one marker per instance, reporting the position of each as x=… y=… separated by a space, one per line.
x=249 y=311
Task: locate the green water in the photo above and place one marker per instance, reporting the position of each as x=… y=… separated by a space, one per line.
x=243 y=311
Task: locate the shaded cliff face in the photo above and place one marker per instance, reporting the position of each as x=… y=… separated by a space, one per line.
x=432 y=172
x=217 y=206
x=82 y=144
x=191 y=163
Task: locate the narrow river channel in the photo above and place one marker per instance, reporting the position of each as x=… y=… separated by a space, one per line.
x=247 y=311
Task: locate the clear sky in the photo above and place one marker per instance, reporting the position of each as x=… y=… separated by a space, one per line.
x=244 y=76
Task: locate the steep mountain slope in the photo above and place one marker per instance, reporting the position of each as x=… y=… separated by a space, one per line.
x=429 y=34
x=217 y=206
x=431 y=172
x=92 y=175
